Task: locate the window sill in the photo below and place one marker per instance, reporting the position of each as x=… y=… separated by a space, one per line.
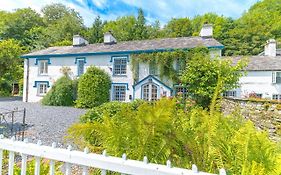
x=43 y=75
x=40 y=95
x=119 y=75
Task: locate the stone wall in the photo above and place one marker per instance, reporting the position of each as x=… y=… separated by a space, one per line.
x=266 y=115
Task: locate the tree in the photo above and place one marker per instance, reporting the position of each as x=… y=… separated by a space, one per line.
x=203 y=74
x=62 y=22
x=180 y=27
x=140 y=27
x=93 y=88
x=11 y=69
x=95 y=33
x=123 y=28
x=17 y=23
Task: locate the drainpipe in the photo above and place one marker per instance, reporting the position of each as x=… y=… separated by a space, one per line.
x=27 y=80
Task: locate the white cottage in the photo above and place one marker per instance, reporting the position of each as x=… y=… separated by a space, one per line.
x=42 y=68
x=263 y=75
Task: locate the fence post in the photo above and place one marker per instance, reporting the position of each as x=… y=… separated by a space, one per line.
x=23 y=123
x=1 y=156
x=23 y=161
x=85 y=169
x=52 y=162
x=124 y=157
x=103 y=172
x=11 y=160
x=222 y=172
x=68 y=165
x=37 y=161
x=194 y=168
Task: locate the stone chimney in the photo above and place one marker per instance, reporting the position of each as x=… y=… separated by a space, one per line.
x=206 y=31
x=109 y=38
x=79 y=41
x=270 y=48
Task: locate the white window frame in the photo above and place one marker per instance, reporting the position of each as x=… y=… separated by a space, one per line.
x=118 y=68
x=230 y=94
x=147 y=95
x=43 y=71
x=277 y=95
x=119 y=96
x=42 y=86
x=79 y=60
x=274 y=77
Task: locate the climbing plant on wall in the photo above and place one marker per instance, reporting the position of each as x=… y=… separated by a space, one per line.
x=169 y=63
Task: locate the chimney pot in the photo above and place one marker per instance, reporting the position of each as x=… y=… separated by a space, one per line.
x=270 y=48
x=79 y=41
x=109 y=38
x=206 y=31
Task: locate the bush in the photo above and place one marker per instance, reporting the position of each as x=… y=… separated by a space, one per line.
x=163 y=130
x=110 y=109
x=93 y=88
x=5 y=88
x=63 y=93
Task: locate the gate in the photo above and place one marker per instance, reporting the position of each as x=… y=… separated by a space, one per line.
x=12 y=122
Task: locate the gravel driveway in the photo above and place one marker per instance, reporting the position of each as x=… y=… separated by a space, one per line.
x=46 y=123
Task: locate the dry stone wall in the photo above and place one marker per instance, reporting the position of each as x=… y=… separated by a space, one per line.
x=266 y=115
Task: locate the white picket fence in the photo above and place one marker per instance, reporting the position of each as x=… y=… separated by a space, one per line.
x=85 y=160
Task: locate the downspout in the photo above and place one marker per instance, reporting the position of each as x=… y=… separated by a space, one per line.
x=27 y=80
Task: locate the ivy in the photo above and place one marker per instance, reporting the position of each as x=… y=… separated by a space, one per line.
x=168 y=64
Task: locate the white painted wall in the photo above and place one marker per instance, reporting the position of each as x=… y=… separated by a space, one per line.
x=102 y=61
x=258 y=82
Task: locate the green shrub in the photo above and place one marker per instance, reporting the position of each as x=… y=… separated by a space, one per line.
x=110 y=109
x=163 y=130
x=63 y=93
x=93 y=88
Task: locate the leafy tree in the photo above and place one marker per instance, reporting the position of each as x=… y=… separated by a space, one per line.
x=10 y=65
x=203 y=73
x=95 y=33
x=155 y=31
x=140 y=27
x=123 y=28
x=251 y=31
x=178 y=27
x=56 y=11
x=93 y=88
x=62 y=22
x=17 y=23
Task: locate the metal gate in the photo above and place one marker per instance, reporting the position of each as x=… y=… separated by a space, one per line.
x=12 y=122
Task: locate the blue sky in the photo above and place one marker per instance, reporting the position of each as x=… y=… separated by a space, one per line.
x=162 y=10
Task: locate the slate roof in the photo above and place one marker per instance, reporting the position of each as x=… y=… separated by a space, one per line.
x=260 y=63
x=130 y=46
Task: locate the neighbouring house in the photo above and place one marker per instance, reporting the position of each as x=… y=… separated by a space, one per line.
x=42 y=68
x=263 y=77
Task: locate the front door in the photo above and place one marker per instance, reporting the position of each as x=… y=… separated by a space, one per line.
x=150 y=92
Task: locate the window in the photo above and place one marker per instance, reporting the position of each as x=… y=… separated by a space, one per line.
x=276 y=77
x=258 y=95
x=119 y=66
x=42 y=89
x=180 y=90
x=229 y=94
x=43 y=67
x=276 y=97
x=153 y=68
x=149 y=92
x=80 y=66
x=119 y=93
